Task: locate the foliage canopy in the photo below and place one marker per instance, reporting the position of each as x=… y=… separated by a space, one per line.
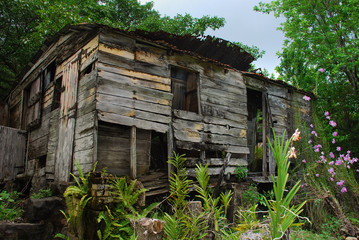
x=321 y=54
x=25 y=24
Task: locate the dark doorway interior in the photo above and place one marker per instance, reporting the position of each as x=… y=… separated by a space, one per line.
x=255 y=129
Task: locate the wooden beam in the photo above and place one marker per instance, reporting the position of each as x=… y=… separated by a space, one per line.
x=170 y=147
x=265 y=130
x=133 y=157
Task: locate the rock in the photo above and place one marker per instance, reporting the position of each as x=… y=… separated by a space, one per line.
x=23 y=231
x=46 y=211
x=149 y=229
x=351 y=238
x=37 y=210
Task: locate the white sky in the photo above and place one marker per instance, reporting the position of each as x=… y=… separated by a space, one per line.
x=242 y=23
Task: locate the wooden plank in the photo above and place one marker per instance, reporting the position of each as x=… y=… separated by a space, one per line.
x=12 y=155
x=85 y=125
x=149 y=68
x=112 y=60
x=84 y=143
x=264 y=134
x=216 y=83
x=109 y=107
x=134 y=74
x=84 y=158
x=135 y=81
x=68 y=101
x=135 y=104
x=133 y=155
x=211 y=147
x=191 y=162
x=130 y=121
x=115 y=39
x=108 y=86
x=187 y=115
x=150 y=54
x=38 y=147
x=117 y=50
x=212 y=171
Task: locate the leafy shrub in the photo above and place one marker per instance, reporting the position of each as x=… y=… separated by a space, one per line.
x=43 y=193
x=241 y=173
x=9 y=206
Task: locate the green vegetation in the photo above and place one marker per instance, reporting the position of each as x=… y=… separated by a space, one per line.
x=10 y=206
x=43 y=193
x=241 y=173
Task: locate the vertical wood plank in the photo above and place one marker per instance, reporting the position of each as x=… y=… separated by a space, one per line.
x=133 y=157
x=170 y=147
x=265 y=130
x=68 y=108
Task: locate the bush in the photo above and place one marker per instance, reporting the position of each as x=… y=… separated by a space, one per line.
x=9 y=206
x=43 y=193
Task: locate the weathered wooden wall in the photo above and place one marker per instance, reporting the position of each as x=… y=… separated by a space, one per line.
x=12 y=152
x=130 y=91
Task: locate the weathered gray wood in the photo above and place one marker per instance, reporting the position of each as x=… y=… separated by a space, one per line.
x=12 y=155
x=117 y=40
x=133 y=155
x=265 y=134
x=152 y=69
x=135 y=104
x=114 y=60
x=64 y=154
x=130 y=121
x=108 y=86
x=112 y=107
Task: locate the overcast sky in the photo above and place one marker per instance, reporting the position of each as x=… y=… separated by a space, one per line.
x=242 y=23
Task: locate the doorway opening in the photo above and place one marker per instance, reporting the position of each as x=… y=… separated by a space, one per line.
x=255 y=129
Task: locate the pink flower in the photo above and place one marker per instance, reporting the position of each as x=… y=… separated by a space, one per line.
x=348 y=167
x=333 y=140
x=344 y=190
x=335 y=134
x=306 y=98
x=321 y=70
x=292 y=153
x=326 y=113
x=331 y=155
x=332 y=179
x=314 y=133
x=311 y=125
x=338 y=162
x=317 y=175
x=340 y=183
x=333 y=124
x=304 y=161
x=295 y=136
x=310 y=141
x=339 y=149
x=331 y=163
x=328 y=117
x=331 y=170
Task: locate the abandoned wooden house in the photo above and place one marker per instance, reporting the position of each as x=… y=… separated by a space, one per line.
x=127 y=100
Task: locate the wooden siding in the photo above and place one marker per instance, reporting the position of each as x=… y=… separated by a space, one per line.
x=114 y=149
x=12 y=152
x=133 y=87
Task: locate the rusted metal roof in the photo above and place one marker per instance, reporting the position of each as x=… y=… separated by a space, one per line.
x=208 y=48
x=212 y=48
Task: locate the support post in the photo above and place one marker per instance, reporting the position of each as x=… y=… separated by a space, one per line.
x=265 y=130
x=133 y=154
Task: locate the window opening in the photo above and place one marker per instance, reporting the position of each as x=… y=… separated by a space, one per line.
x=49 y=74
x=184 y=89
x=57 y=94
x=255 y=130
x=158 y=151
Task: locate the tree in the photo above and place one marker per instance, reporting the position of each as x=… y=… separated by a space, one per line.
x=25 y=24
x=321 y=54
